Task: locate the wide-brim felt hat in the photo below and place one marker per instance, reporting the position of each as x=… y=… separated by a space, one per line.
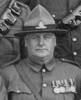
x=40 y=21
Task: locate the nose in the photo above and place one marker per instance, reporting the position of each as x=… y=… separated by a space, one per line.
x=41 y=40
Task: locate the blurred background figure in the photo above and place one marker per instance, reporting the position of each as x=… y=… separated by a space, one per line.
x=11 y=20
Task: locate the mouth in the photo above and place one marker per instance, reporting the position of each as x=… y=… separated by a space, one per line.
x=41 y=49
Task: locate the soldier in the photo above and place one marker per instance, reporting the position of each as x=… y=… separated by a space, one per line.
x=41 y=76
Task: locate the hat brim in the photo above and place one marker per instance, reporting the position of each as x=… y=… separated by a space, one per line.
x=30 y=30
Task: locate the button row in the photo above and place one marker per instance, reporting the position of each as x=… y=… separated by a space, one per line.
x=74 y=39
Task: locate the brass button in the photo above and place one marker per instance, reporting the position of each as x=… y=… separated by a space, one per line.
x=44 y=85
x=74 y=39
x=43 y=70
x=74 y=53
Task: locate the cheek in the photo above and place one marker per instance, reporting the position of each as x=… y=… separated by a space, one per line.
x=32 y=45
x=51 y=44
x=31 y=49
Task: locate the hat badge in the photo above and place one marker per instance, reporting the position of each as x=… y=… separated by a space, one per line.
x=41 y=25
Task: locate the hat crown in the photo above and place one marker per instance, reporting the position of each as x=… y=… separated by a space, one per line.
x=40 y=17
x=40 y=21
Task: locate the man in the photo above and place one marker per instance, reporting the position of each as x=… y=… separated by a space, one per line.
x=40 y=76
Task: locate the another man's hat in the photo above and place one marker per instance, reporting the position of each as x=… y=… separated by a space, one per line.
x=39 y=21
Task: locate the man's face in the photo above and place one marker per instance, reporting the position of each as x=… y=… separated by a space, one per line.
x=40 y=44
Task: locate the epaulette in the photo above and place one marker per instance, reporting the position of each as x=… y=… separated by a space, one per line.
x=69 y=61
x=12 y=62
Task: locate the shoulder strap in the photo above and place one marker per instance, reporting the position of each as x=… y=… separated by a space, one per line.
x=27 y=81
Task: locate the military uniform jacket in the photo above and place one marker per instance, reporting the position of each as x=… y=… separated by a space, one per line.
x=57 y=80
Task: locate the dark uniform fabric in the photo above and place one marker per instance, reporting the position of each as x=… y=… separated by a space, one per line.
x=76 y=45
x=69 y=47
x=57 y=80
x=64 y=47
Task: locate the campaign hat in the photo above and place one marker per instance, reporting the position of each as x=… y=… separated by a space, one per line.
x=40 y=21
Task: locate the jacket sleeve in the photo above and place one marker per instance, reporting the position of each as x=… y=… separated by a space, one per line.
x=3 y=91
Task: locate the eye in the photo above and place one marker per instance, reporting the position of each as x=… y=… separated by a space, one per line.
x=48 y=35
x=34 y=36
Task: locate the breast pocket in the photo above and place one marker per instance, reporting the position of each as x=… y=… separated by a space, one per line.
x=19 y=92
x=14 y=95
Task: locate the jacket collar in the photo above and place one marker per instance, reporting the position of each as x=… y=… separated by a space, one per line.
x=37 y=64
